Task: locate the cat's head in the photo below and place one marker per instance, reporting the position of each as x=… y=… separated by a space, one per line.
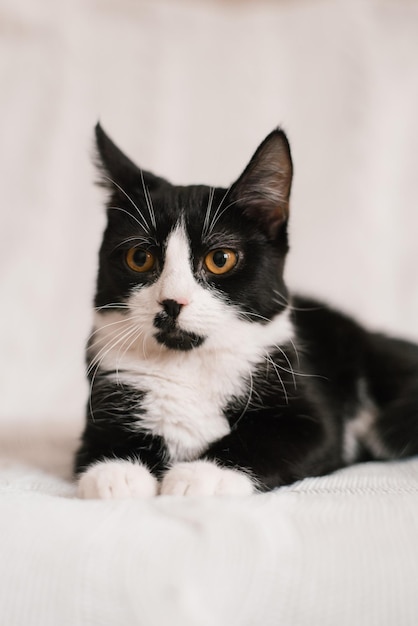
x=188 y=266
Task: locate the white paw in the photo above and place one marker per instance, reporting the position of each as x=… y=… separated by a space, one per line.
x=204 y=478
x=117 y=479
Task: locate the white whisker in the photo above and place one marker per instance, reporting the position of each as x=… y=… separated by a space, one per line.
x=112 y=305
x=101 y=355
x=276 y=369
x=118 y=208
x=137 y=332
x=100 y=328
x=145 y=241
x=295 y=349
x=148 y=200
x=210 y=229
x=208 y=210
x=219 y=214
x=291 y=370
x=248 y=400
x=145 y=225
x=257 y=315
x=111 y=343
x=288 y=303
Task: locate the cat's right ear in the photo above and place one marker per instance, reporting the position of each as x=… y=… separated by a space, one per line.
x=117 y=171
x=263 y=190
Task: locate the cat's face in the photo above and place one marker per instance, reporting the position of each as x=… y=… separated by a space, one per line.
x=191 y=266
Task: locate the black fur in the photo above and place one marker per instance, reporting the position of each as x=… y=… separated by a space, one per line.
x=295 y=425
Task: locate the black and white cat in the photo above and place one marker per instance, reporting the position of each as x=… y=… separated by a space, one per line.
x=206 y=376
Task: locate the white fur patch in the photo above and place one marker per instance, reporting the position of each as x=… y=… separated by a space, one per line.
x=360 y=430
x=176 y=281
x=204 y=478
x=185 y=391
x=117 y=479
x=355 y=432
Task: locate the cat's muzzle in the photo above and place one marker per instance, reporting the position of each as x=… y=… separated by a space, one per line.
x=172 y=336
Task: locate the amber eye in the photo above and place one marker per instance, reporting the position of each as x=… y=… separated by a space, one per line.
x=221 y=261
x=140 y=260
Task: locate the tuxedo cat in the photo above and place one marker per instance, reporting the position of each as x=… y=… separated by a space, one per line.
x=206 y=376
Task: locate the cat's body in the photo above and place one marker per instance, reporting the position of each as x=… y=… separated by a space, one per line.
x=206 y=376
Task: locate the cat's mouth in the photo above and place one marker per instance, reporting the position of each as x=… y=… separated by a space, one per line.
x=173 y=337
x=178 y=339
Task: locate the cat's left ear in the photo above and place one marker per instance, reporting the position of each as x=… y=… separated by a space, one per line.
x=263 y=189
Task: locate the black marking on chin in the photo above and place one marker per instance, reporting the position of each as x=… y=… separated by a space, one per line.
x=173 y=337
x=179 y=340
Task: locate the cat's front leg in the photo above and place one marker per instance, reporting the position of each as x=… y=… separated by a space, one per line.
x=278 y=448
x=206 y=478
x=117 y=479
x=116 y=455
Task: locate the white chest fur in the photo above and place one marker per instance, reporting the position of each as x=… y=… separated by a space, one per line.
x=187 y=391
x=184 y=400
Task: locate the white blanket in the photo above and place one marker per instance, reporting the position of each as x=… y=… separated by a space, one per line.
x=342 y=549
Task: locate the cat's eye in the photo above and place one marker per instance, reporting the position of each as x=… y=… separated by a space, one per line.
x=221 y=261
x=140 y=260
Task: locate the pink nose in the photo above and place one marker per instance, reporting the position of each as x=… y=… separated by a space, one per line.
x=182 y=301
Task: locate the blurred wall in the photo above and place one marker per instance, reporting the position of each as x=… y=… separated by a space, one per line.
x=189 y=89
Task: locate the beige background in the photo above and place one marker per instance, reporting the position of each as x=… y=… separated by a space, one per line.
x=189 y=89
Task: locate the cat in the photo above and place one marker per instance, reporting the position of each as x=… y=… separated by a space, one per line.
x=206 y=376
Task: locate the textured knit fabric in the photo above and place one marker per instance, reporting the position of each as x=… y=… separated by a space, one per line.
x=342 y=549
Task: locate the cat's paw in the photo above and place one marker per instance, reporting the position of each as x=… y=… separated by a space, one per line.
x=205 y=478
x=116 y=480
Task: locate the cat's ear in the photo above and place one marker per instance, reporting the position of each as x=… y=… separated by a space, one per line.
x=263 y=189
x=117 y=170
